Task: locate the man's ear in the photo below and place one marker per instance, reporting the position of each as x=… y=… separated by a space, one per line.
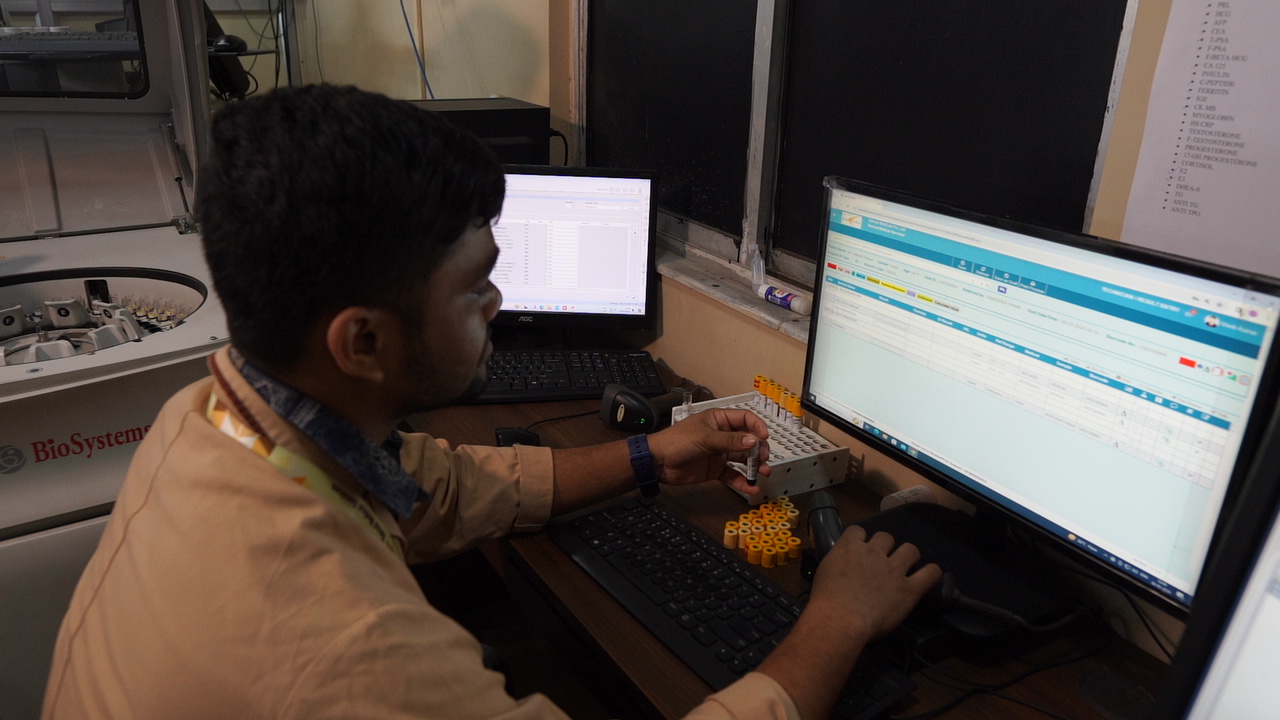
x=361 y=341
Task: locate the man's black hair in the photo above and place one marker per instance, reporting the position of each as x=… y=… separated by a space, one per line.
x=320 y=198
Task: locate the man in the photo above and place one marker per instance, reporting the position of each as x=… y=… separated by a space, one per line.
x=255 y=563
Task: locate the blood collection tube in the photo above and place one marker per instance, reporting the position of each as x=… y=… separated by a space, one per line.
x=795 y=412
x=753 y=462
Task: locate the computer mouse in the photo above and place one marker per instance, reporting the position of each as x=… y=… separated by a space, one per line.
x=508 y=436
x=229 y=44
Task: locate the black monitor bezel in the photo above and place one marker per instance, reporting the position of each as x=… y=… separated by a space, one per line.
x=1227 y=571
x=601 y=321
x=1269 y=379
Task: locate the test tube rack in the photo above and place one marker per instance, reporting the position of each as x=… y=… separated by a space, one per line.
x=801 y=459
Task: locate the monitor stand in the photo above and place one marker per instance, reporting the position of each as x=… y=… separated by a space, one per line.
x=514 y=337
x=985 y=568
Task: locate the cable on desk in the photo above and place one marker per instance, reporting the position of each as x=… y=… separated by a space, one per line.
x=1088 y=575
x=976 y=692
x=977 y=688
x=562 y=417
x=1033 y=706
x=1142 y=616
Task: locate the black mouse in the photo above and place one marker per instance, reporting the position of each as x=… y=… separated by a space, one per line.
x=508 y=436
x=229 y=44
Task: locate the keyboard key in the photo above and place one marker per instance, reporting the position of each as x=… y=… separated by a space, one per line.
x=726 y=633
x=743 y=629
x=764 y=626
x=705 y=636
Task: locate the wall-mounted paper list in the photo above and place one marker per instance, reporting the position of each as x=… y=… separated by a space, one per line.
x=1208 y=178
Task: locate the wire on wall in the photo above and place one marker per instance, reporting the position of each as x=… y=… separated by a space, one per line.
x=416 y=52
x=565 y=140
x=315 y=39
x=268 y=27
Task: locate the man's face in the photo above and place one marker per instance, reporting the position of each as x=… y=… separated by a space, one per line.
x=447 y=353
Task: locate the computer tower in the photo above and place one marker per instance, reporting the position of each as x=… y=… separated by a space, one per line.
x=518 y=132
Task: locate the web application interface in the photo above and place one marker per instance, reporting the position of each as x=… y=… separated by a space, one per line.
x=1102 y=399
x=574 y=244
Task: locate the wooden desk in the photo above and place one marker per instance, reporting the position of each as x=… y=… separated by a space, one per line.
x=639 y=669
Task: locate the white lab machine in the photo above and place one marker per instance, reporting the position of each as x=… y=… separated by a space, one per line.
x=106 y=306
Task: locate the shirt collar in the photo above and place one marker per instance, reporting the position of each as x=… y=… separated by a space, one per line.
x=376 y=467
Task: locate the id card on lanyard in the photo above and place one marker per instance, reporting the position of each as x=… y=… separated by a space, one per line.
x=301 y=471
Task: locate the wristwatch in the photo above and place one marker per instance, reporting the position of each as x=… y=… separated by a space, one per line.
x=642 y=465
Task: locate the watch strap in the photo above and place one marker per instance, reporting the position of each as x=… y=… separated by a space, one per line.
x=642 y=465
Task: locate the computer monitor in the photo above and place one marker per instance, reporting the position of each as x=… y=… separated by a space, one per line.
x=1226 y=660
x=1102 y=395
x=577 y=249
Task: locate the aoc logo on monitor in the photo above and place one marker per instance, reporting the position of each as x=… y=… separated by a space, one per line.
x=524 y=318
x=12 y=459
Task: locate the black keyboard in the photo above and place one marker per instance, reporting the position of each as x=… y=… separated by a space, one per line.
x=709 y=606
x=536 y=375
x=69 y=42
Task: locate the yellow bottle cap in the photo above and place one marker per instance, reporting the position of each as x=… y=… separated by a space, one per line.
x=793 y=547
x=769 y=556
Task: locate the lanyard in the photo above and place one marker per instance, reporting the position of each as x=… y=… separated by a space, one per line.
x=301 y=471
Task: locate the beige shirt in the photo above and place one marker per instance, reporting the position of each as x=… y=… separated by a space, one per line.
x=222 y=589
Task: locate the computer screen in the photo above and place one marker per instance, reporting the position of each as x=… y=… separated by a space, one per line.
x=1104 y=395
x=576 y=248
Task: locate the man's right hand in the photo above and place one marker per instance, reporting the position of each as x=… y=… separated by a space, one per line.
x=862 y=585
x=863 y=589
